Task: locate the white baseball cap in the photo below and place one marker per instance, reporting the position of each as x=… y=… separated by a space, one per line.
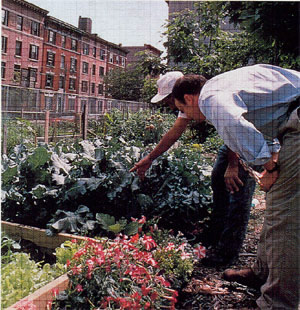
x=165 y=85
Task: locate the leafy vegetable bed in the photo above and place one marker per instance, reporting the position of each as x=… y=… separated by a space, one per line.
x=75 y=182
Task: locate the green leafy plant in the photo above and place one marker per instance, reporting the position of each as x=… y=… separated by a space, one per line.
x=22 y=276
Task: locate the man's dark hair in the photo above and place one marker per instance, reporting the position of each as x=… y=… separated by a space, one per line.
x=190 y=84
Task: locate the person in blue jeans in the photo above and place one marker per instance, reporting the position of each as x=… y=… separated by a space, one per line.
x=231 y=209
x=230 y=213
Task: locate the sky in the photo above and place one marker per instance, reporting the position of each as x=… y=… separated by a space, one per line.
x=129 y=22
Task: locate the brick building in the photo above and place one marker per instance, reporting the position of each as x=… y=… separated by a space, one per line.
x=50 y=64
x=22 y=50
x=133 y=58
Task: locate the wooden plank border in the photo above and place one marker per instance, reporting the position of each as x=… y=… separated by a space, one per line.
x=42 y=296
x=36 y=235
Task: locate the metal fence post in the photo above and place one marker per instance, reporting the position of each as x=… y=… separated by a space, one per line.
x=47 y=119
x=85 y=121
x=4 y=145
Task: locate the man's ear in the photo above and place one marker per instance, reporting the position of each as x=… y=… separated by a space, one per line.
x=188 y=99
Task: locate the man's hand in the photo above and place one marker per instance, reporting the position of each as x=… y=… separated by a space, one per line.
x=231 y=178
x=142 y=166
x=267 y=179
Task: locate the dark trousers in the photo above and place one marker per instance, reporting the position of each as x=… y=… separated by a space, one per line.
x=230 y=214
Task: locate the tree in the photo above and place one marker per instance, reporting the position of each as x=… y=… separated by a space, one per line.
x=137 y=82
x=124 y=84
x=274 y=22
x=197 y=44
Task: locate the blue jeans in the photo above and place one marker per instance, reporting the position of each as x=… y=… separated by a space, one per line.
x=230 y=214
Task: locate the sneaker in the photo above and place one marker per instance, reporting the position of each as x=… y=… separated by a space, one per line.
x=244 y=276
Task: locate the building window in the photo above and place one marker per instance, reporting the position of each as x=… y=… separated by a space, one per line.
x=18 y=51
x=72 y=84
x=32 y=77
x=84 y=86
x=85 y=67
x=85 y=49
x=100 y=89
x=4 y=44
x=111 y=58
x=102 y=54
x=50 y=59
x=63 y=41
x=123 y=61
x=35 y=28
x=101 y=71
x=93 y=88
x=17 y=73
x=61 y=84
x=48 y=102
x=74 y=45
x=117 y=59
x=94 y=70
x=4 y=17
x=49 y=80
x=73 y=65
x=51 y=37
x=62 y=62
x=94 y=51
x=71 y=104
x=33 y=52
x=19 y=22
x=3 y=69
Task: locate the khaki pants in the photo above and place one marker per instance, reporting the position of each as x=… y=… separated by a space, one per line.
x=279 y=246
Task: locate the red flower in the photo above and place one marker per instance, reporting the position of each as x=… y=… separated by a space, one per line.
x=135 y=238
x=149 y=243
x=199 y=251
x=79 y=288
x=154 y=296
x=145 y=290
x=142 y=220
x=55 y=292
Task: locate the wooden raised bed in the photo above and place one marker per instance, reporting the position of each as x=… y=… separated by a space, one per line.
x=42 y=296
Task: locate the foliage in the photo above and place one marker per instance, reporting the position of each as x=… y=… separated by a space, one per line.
x=127 y=273
x=22 y=276
x=18 y=131
x=138 y=81
x=96 y=174
x=125 y=84
x=142 y=127
x=197 y=44
x=150 y=64
x=274 y=23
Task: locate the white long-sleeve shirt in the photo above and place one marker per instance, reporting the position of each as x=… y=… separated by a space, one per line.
x=248 y=105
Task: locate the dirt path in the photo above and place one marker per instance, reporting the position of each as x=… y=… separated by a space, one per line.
x=208 y=290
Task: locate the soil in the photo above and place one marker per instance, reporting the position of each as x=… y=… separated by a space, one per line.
x=208 y=290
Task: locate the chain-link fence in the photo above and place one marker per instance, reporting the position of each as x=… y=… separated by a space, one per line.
x=31 y=115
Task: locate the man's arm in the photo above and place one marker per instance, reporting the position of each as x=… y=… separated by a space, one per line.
x=269 y=176
x=164 y=144
x=231 y=176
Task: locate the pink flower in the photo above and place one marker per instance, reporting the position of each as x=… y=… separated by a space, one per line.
x=74 y=241
x=200 y=251
x=185 y=255
x=149 y=243
x=79 y=288
x=145 y=290
x=181 y=247
x=55 y=292
x=142 y=220
x=170 y=246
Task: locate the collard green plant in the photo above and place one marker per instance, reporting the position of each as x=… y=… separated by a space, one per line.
x=96 y=174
